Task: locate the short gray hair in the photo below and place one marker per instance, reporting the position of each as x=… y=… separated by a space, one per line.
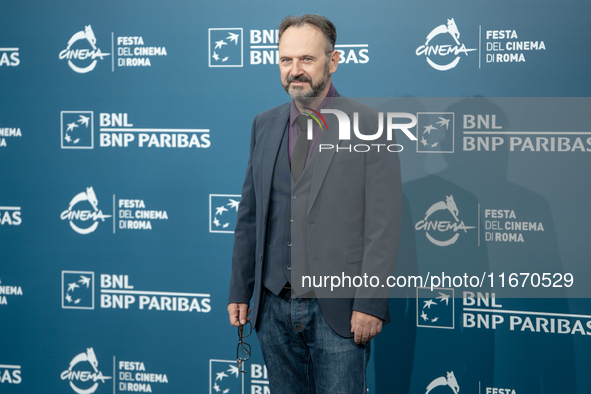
x=322 y=23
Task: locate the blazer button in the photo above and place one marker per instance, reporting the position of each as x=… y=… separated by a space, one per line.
x=293 y=197
x=288 y=243
x=291 y=220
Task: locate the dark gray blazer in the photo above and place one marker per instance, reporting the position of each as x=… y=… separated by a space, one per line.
x=354 y=215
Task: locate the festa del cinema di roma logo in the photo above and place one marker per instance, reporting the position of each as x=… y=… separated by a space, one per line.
x=77 y=217
x=441 y=51
x=445 y=381
x=78 y=53
x=443 y=226
x=83 y=371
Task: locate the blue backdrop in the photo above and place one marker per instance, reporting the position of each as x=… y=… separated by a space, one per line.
x=124 y=134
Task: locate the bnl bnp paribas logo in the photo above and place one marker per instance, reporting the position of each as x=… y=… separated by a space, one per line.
x=10 y=216
x=10 y=374
x=435 y=132
x=118 y=292
x=435 y=307
x=225 y=377
x=442 y=224
x=223 y=212
x=443 y=49
x=83 y=212
x=116 y=130
x=226 y=48
x=9 y=57
x=77 y=130
x=82 y=52
x=77 y=290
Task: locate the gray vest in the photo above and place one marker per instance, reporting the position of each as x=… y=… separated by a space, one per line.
x=300 y=196
x=277 y=263
x=286 y=253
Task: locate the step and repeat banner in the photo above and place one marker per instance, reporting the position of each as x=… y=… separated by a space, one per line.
x=124 y=137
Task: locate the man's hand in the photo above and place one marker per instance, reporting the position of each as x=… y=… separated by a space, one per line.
x=364 y=326
x=239 y=314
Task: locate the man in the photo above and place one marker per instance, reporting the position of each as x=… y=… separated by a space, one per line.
x=306 y=213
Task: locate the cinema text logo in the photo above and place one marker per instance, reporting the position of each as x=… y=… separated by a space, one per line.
x=449 y=384
x=445 y=381
x=81 y=219
x=9 y=132
x=10 y=374
x=6 y=290
x=226 y=48
x=81 y=58
x=442 y=50
x=9 y=57
x=442 y=232
x=10 y=216
x=83 y=373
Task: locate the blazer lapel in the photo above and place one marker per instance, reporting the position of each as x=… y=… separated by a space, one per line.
x=330 y=136
x=274 y=131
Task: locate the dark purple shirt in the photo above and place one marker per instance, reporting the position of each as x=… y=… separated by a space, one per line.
x=294 y=128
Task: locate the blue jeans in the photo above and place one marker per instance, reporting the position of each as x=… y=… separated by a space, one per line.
x=303 y=354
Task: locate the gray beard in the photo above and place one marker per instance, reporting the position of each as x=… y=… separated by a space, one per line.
x=306 y=97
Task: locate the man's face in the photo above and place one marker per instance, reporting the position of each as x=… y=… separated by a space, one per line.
x=305 y=67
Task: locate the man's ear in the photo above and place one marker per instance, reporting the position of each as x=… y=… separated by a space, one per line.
x=334 y=61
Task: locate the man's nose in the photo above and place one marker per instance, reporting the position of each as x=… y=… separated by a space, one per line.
x=296 y=68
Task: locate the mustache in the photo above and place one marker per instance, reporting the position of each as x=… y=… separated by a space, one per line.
x=299 y=78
